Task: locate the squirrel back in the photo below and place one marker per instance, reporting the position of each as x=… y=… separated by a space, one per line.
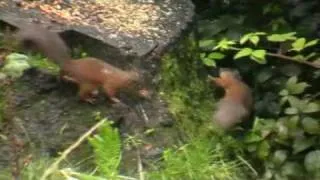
x=35 y=37
x=237 y=102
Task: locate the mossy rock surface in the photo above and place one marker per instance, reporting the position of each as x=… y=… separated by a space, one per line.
x=48 y=116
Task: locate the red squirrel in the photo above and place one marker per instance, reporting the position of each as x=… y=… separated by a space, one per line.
x=89 y=73
x=236 y=105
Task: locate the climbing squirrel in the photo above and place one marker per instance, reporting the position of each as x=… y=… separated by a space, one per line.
x=236 y=105
x=88 y=73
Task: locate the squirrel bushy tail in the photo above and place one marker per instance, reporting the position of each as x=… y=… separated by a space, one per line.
x=50 y=44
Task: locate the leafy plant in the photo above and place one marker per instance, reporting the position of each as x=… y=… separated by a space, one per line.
x=257 y=53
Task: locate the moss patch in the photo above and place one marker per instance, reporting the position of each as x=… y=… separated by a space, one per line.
x=184 y=84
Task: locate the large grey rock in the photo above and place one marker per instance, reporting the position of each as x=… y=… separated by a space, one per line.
x=50 y=112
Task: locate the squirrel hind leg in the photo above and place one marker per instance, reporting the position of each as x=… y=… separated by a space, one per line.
x=86 y=92
x=111 y=93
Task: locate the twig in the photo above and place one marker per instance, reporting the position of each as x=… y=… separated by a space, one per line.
x=249 y=165
x=284 y=57
x=144 y=114
x=140 y=168
x=54 y=166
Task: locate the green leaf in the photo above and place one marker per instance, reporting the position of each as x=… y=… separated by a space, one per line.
x=311 y=108
x=312 y=161
x=279 y=157
x=254 y=39
x=292 y=80
x=281 y=37
x=209 y=62
x=245 y=38
x=264 y=75
x=311 y=43
x=224 y=44
x=207 y=44
x=299 y=88
x=295 y=102
x=292 y=123
x=260 y=33
x=292 y=169
x=291 y=111
x=302 y=143
x=284 y=92
x=311 y=55
x=298 y=45
x=259 y=56
x=295 y=88
x=243 y=52
x=283 y=132
x=310 y=125
x=216 y=55
x=252 y=137
x=299 y=57
x=263 y=150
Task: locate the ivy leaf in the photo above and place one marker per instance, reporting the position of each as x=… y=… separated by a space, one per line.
x=254 y=39
x=216 y=55
x=243 y=52
x=282 y=37
x=311 y=43
x=259 y=56
x=311 y=125
x=301 y=143
x=311 y=108
x=263 y=150
x=298 y=45
x=209 y=62
x=206 y=44
x=312 y=161
x=279 y=157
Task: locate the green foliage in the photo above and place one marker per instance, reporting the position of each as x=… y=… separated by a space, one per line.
x=258 y=53
x=183 y=78
x=190 y=101
x=284 y=143
x=201 y=158
x=107 y=151
x=38 y=61
x=15 y=65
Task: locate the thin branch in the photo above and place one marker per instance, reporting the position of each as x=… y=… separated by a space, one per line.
x=284 y=57
x=54 y=166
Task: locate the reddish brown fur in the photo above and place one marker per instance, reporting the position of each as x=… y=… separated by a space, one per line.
x=89 y=73
x=236 y=104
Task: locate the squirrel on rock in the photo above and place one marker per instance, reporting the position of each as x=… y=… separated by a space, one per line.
x=88 y=73
x=236 y=105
